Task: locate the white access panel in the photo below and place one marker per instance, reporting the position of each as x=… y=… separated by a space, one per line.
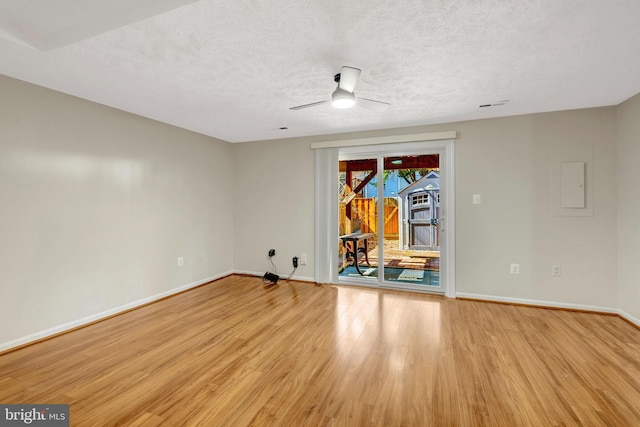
x=572 y=166
x=572 y=185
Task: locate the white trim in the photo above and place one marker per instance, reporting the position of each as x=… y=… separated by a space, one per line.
x=95 y=317
x=90 y=319
x=282 y=277
x=387 y=286
x=448 y=188
x=629 y=317
x=416 y=137
x=540 y=303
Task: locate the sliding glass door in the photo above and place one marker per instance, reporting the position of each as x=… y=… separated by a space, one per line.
x=390 y=217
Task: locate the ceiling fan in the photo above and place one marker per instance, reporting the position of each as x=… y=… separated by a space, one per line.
x=343 y=96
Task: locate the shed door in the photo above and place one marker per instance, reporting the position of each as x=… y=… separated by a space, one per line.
x=420 y=222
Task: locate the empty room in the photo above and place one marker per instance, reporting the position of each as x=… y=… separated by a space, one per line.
x=251 y=213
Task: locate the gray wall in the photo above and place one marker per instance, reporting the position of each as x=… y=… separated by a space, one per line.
x=629 y=206
x=274 y=205
x=96 y=206
x=508 y=161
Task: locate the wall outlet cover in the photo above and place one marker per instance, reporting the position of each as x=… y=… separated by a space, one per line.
x=515 y=269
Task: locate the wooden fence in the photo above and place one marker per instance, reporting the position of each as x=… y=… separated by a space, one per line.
x=364 y=217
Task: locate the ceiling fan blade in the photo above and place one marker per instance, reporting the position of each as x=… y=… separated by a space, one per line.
x=372 y=104
x=349 y=78
x=313 y=104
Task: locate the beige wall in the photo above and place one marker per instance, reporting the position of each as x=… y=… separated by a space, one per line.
x=508 y=161
x=629 y=206
x=96 y=206
x=273 y=206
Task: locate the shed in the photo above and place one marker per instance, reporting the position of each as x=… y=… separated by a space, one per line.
x=419 y=214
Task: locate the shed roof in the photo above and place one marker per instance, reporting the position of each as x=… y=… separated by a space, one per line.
x=431 y=179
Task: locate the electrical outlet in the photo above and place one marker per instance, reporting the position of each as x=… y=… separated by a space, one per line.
x=272 y=252
x=476 y=199
x=556 y=271
x=515 y=268
x=180 y=261
x=303 y=259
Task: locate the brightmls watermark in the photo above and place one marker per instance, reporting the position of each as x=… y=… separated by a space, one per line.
x=35 y=415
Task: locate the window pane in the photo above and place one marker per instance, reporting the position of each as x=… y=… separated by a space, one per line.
x=358 y=219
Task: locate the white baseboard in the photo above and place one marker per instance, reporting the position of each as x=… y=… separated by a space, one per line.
x=629 y=317
x=539 y=303
x=260 y=274
x=95 y=317
x=89 y=319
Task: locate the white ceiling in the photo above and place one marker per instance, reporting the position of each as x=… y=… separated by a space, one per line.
x=232 y=68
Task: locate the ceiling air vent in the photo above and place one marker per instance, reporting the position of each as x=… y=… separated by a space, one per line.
x=495 y=104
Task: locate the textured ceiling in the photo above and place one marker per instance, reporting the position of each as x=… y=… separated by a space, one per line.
x=232 y=68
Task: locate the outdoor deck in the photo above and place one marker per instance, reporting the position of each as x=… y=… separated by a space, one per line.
x=413 y=260
x=408 y=259
x=408 y=266
x=403 y=259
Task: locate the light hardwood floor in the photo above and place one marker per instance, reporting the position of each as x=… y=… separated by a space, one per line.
x=231 y=353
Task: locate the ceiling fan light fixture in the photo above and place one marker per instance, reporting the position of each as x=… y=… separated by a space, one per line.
x=342 y=99
x=343 y=96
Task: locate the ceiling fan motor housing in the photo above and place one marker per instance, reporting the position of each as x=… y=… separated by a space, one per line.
x=341 y=98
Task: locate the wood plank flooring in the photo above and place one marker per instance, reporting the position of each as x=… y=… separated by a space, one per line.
x=234 y=354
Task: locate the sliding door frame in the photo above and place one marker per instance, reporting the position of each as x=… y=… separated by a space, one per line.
x=326 y=203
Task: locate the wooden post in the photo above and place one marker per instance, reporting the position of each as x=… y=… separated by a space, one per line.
x=349 y=179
